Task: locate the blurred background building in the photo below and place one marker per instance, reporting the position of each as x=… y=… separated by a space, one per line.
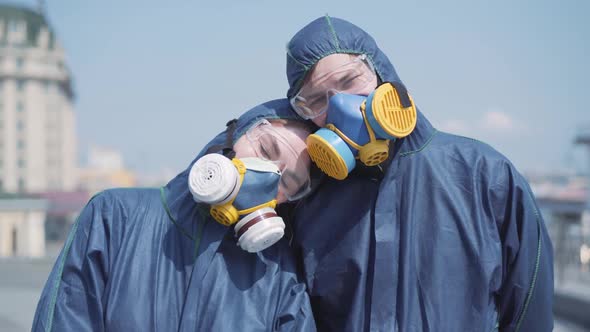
x=22 y=220
x=105 y=169
x=564 y=201
x=37 y=133
x=42 y=187
x=37 y=120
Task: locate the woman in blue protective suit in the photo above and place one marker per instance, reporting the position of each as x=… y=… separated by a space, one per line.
x=155 y=260
x=441 y=234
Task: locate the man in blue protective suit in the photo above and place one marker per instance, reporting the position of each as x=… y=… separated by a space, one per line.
x=443 y=235
x=155 y=260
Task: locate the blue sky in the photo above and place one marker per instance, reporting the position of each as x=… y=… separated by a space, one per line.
x=157 y=79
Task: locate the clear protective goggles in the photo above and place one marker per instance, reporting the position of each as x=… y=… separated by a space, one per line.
x=270 y=145
x=312 y=99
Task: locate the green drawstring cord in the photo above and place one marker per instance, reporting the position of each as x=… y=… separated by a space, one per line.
x=200 y=225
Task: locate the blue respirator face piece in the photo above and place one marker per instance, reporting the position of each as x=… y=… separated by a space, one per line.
x=241 y=192
x=359 y=127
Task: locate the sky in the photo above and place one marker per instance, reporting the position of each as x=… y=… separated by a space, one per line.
x=157 y=80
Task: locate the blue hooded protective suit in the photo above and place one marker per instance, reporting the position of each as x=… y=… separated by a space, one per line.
x=447 y=238
x=153 y=260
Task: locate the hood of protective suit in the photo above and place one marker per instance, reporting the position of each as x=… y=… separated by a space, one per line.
x=329 y=35
x=180 y=200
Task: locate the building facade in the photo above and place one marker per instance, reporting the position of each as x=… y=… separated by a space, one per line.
x=22 y=230
x=37 y=120
x=105 y=170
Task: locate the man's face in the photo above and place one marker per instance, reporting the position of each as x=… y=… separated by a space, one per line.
x=282 y=142
x=332 y=74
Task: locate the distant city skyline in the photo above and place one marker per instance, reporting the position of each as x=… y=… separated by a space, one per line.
x=157 y=82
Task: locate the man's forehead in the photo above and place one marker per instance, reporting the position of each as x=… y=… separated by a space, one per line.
x=328 y=64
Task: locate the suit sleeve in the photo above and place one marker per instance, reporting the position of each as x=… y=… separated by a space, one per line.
x=525 y=298
x=72 y=297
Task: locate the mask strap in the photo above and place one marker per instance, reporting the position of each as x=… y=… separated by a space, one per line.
x=344 y=137
x=271 y=204
x=402 y=92
x=242 y=171
x=370 y=131
x=227 y=148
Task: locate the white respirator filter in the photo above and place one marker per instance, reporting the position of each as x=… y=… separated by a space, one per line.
x=259 y=230
x=213 y=179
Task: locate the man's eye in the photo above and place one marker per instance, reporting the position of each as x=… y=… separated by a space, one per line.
x=315 y=103
x=348 y=82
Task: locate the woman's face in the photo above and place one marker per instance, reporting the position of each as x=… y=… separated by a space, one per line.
x=282 y=142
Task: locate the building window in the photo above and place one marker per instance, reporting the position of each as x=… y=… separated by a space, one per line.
x=14 y=26
x=14 y=234
x=47 y=85
x=20 y=107
x=20 y=85
x=19 y=63
x=20 y=125
x=21 y=184
x=17 y=32
x=21 y=164
x=20 y=144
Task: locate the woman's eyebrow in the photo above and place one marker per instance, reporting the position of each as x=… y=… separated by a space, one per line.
x=275 y=145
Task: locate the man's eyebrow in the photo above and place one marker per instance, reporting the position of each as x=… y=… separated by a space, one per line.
x=348 y=76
